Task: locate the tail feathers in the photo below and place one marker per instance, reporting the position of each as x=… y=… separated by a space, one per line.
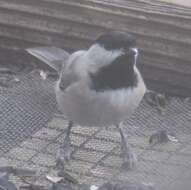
x=52 y=56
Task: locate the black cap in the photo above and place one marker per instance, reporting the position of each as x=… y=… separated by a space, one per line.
x=116 y=40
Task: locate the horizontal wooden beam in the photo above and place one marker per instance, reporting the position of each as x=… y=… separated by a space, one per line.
x=162 y=30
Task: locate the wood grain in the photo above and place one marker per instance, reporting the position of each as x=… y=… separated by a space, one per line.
x=163 y=31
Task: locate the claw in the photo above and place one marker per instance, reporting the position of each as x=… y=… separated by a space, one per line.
x=65 y=151
x=63 y=155
x=129 y=157
x=130 y=160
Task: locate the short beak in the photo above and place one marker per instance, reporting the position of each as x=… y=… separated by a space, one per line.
x=135 y=51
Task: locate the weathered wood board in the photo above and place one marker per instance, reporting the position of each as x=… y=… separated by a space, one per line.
x=163 y=31
x=179 y=2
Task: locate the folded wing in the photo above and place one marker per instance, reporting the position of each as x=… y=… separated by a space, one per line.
x=52 y=56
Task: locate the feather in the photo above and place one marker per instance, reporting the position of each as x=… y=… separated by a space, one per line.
x=52 y=56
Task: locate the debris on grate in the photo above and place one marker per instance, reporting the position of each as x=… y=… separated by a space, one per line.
x=54 y=179
x=162 y=136
x=157 y=100
x=43 y=74
x=126 y=185
x=93 y=187
x=17 y=171
x=5 y=172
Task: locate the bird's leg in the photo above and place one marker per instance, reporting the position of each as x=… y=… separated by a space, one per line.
x=129 y=157
x=65 y=150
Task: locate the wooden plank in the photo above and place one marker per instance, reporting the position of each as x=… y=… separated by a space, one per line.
x=179 y=2
x=162 y=29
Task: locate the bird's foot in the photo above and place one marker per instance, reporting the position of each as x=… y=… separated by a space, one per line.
x=129 y=160
x=63 y=155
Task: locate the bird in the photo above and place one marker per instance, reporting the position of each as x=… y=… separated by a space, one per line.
x=100 y=86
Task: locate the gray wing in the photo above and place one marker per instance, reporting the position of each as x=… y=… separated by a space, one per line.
x=67 y=79
x=52 y=56
x=70 y=73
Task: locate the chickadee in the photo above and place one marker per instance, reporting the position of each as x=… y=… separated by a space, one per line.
x=100 y=86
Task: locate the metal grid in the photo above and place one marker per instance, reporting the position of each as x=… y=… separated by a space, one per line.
x=26 y=107
x=30 y=138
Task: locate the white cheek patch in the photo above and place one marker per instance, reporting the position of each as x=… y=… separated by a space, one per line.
x=99 y=56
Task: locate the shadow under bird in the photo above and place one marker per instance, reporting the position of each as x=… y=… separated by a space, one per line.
x=100 y=86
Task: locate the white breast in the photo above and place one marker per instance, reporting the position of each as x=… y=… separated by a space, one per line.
x=90 y=108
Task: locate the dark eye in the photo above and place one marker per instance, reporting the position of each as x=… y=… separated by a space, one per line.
x=133 y=52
